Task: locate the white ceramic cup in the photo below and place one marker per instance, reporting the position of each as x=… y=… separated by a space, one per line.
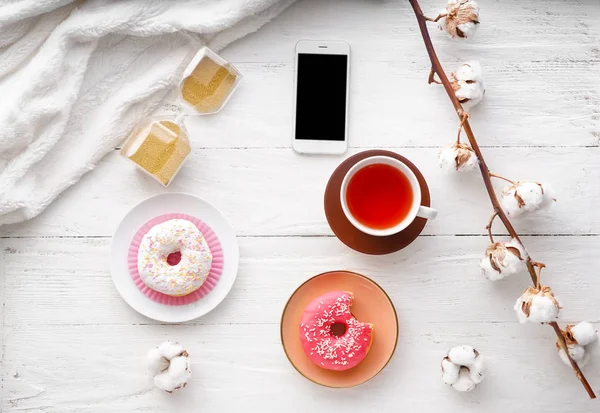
x=416 y=209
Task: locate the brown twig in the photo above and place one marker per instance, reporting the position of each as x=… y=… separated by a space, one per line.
x=493 y=175
x=432 y=78
x=437 y=68
x=439 y=16
x=465 y=116
x=489 y=225
x=539 y=266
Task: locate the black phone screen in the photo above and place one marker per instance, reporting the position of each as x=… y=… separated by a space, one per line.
x=321 y=97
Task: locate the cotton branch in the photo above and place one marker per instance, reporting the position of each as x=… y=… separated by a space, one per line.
x=432 y=78
x=437 y=69
x=539 y=267
x=439 y=16
x=493 y=175
x=489 y=226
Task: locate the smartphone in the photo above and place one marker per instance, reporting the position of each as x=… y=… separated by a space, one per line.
x=322 y=77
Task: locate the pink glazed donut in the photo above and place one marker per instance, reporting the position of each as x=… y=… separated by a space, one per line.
x=330 y=335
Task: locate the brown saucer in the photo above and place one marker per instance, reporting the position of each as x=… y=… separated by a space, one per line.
x=348 y=233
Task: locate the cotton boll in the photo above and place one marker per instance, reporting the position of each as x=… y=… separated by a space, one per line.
x=462 y=368
x=467 y=83
x=458 y=157
x=165 y=382
x=170 y=349
x=584 y=360
x=179 y=369
x=502 y=259
x=489 y=271
x=549 y=197
x=461 y=20
x=543 y=310
x=464 y=382
x=476 y=370
x=156 y=362
x=577 y=353
x=526 y=196
x=516 y=245
x=449 y=371
x=583 y=333
x=463 y=355
x=470 y=70
x=578 y=338
x=537 y=306
x=563 y=357
x=176 y=376
x=169 y=363
x=469 y=95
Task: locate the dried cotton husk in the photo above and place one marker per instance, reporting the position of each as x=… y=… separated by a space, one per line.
x=461 y=18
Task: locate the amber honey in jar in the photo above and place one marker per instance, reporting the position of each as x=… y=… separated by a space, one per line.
x=159 y=147
x=208 y=82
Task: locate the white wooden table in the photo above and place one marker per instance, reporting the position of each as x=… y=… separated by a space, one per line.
x=70 y=344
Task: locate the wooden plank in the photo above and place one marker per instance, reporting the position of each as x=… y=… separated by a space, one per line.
x=277 y=192
x=63 y=369
x=2 y=306
x=541 y=84
x=392 y=104
x=384 y=26
x=67 y=281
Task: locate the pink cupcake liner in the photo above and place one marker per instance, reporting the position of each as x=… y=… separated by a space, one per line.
x=215 y=271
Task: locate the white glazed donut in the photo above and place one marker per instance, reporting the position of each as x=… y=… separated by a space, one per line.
x=170 y=237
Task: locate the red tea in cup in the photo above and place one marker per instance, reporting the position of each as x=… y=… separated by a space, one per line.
x=379 y=196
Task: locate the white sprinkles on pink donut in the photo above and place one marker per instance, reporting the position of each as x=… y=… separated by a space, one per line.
x=323 y=347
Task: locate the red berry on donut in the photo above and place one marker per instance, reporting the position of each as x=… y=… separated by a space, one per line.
x=331 y=336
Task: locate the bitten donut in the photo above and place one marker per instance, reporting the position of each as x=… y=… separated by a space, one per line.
x=331 y=337
x=174 y=258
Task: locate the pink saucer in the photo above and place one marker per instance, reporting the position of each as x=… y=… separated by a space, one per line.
x=371 y=304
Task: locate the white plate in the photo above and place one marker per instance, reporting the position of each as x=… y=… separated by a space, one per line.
x=164 y=204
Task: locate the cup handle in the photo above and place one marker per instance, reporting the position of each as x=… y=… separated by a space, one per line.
x=426 y=212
